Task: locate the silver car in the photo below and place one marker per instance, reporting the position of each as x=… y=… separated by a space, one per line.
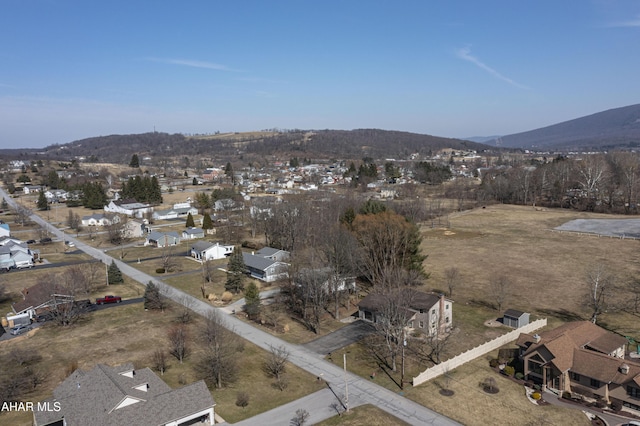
x=19 y=329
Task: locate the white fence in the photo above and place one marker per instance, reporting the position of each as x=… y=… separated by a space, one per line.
x=476 y=352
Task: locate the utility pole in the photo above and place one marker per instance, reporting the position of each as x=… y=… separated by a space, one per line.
x=404 y=343
x=346 y=385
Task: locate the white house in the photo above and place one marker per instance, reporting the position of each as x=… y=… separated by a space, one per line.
x=204 y=250
x=100 y=219
x=32 y=189
x=162 y=239
x=192 y=233
x=174 y=213
x=129 y=207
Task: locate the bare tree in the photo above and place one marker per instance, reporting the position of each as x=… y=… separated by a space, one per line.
x=77 y=280
x=600 y=282
x=208 y=269
x=452 y=276
x=117 y=231
x=159 y=361
x=178 y=345
x=242 y=399
x=219 y=367
x=22 y=214
x=167 y=258
x=301 y=418
x=276 y=361
x=307 y=295
x=499 y=286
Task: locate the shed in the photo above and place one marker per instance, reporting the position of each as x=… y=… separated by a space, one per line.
x=514 y=318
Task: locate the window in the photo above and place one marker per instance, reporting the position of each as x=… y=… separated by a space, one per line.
x=534 y=367
x=446 y=320
x=595 y=383
x=421 y=324
x=411 y=324
x=433 y=312
x=633 y=391
x=574 y=376
x=446 y=306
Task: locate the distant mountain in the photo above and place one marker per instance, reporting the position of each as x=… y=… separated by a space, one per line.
x=611 y=129
x=315 y=144
x=482 y=139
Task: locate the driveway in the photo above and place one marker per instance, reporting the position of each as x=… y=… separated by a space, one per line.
x=341 y=338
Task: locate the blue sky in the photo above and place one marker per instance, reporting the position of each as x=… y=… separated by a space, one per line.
x=74 y=69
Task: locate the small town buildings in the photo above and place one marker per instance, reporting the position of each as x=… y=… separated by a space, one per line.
x=41 y=298
x=123 y=395
x=100 y=219
x=162 y=239
x=273 y=254
x=129 y=207
x=5 y=231
x=266 y=268
x=584 y=359
x=192 y=233
x=205 y=250
x=177 y=211
x=427 y=313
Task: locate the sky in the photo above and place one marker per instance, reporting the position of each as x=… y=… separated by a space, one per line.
x=72 y=69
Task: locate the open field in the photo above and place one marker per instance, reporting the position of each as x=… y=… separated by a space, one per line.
x=547 y=269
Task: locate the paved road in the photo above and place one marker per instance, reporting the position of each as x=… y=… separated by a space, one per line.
x=359 y=389
x=340 y=338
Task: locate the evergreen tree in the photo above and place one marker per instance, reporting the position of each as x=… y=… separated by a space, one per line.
x=135 y=162
x=207 y=223
x=114 y=274
x=190 y=223
x=235 y=272
x=5 y=205
x=252 y=300
x=194 y=182
x=152 y=297
x=42 y=203
x=93 y=196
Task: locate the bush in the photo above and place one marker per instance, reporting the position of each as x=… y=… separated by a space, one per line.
x=160 y=271
x=509 y=370
x=227 y=296
x=616 y=405
x=536 y=396
x=566 y=395
x=519 y=376
x=493 y=363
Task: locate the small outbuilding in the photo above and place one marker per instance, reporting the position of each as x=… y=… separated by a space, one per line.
x=514 y=318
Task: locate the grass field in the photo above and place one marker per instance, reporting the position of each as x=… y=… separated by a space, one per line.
x=364 y=415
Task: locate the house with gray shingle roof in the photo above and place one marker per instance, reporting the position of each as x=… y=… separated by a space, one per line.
x=264 y=268
x=162 y=239
x=122 y=395
x=192 y=233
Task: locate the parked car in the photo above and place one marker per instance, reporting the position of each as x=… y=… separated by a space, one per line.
x=108 y=299
x=46 y=240
x=19 y=329
x=47 y=316
x=69 y=244
x=31 y=241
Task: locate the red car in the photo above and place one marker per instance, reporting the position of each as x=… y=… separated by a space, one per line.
x=108 y=299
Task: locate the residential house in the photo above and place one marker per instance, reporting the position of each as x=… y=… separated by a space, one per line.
x=32 y=189
x=211 y=173
x=204 y=250
x=427 y=313
x=129 y=207
x=514 y=318
x=264 y=268
x=175 y=212
x=134 y=228
x=100 y=219
x=192 y=233
x=273 y=254
x=123 y=395
x=584 y=359
x=41 y=298
x=327 y=278
x=162 y=239
x=5 y=231
x=56 y=195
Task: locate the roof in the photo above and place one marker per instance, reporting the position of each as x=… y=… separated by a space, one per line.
x=157 y=236
x=37 y=295
x=267 y=251
x=257 y=262
x=562 y=341
x=602 y=367
x=193 y=231
x=417 y=300
x=513 y=313
x=100 y=396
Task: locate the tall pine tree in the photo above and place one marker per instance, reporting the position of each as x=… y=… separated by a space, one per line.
x=190 y=223
x=114 y=274
x=235 y=271
x=42 y=203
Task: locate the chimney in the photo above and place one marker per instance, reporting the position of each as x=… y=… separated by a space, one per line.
x=441 y=323
x=536 y=338
x=624 y=369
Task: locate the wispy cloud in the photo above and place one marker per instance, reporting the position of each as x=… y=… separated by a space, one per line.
x=465 y=54
x=625 y=24
x=193 y=64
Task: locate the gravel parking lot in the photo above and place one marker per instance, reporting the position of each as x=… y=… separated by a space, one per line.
x=622 y=228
